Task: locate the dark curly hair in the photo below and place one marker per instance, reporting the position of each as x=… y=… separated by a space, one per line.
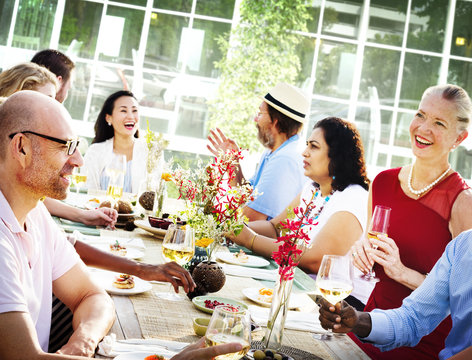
x=103 y=131
x=346 y=153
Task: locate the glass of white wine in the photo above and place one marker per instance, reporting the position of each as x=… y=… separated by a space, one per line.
x=116 y=171
x=179 y=246
x=378 y=227
x=334 y=282
x=79 y=177
x=227 y=325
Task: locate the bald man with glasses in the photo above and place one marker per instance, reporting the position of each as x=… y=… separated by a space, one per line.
x=35 y=259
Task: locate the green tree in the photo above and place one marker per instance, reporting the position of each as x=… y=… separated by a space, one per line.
x=261 y=52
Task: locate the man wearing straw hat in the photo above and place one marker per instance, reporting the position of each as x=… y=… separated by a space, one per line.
x=279 y=175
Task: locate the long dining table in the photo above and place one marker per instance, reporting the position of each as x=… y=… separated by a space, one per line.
x=146 y=316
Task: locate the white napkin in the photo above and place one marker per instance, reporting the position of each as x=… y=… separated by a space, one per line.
x=261 y=274
x=111 y=347
x=296 y=320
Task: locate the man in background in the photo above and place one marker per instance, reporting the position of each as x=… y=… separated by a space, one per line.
x=279 y=176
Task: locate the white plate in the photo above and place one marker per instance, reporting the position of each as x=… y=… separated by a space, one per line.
x=253 y=294
x=144 y=224
x=140 y=355
x=253 y=261
x=90 y=204
x=105 y=280
x=131 y=252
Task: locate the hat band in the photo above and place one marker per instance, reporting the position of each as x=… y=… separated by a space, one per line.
x=282 y=105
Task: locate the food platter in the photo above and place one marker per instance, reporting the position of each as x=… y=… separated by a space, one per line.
x=254 y=295
x=105 y=280
x=199 y=303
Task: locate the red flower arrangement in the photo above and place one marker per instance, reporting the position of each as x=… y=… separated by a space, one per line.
x=294 y=239
x=213 y=205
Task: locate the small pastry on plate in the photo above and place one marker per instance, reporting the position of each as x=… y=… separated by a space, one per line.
x=118 y=249
x=241 y=256
x=124 y=281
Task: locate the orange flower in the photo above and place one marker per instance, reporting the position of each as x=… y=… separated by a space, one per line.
x=166 y=176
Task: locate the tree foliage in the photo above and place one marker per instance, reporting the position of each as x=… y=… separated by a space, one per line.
x=261 y=51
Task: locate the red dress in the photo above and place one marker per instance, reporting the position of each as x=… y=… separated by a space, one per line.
x=420 y=229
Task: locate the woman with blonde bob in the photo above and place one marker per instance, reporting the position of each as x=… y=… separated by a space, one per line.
x=28 y=76
x=431 y=204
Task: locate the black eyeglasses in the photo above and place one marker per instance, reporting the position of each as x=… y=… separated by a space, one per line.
x=70 y=144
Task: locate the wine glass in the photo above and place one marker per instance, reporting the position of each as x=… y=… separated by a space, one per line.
x=378 y=226
x=115 y=171
x=179 y=246
x=79 y=177
x=334 y=282
x=229 y=324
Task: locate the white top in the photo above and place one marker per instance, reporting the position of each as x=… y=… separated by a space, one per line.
x=352 y=199
x=99 y=155
x=30 y=261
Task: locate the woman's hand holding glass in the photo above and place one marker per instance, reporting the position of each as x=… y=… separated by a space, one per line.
x=229 y=325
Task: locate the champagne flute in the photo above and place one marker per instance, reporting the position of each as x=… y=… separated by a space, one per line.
x=79 y=177
x=115 y=171
x=179 y=246
x=229 y=324
x=378 y=227
x=334 y=282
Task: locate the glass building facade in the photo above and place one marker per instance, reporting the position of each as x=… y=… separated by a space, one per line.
x=364 y=60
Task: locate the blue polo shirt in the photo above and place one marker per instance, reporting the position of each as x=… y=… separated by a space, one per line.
x=278 y=178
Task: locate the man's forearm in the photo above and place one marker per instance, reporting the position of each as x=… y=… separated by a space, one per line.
x=92 y=320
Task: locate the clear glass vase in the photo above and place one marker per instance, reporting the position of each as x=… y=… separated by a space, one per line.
x=277 y=315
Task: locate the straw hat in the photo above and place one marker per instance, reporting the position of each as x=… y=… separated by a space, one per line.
x=289 y=100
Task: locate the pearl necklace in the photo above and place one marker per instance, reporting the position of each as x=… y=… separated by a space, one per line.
x=427 y=187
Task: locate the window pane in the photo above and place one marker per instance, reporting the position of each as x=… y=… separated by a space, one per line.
x=335 y=69
x=200 y=49
x=193 y=113
x=108 y=79
x=460 y=73
x=77 y=98
x=133 y=2
x=178 y=5
x=164 y=40
x=462 y=35
x=314 y=11
x=387 y=21
x=402 y=131
x=322 y=109
x=121 y=33
x=305 y=51
x=217 y=8
x=419 y=73
x=6 y=12
x=427 y=24
x=34 y=23
x=380 y=70
x=80 y=26
x=342 y=19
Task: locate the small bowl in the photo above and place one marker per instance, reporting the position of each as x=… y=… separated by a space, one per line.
x=159 y=222
x=200 y=325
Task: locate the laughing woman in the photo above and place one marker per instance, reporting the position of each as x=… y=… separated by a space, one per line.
x=116 y=132
x=430 y=204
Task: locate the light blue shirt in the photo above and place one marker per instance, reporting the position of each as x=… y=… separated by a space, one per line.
x=278 y=178
x=447 y=290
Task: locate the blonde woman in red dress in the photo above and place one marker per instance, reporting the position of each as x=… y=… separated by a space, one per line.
x=431 y=204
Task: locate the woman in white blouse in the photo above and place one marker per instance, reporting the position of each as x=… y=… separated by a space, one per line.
x=116 y=132
x=338 y=184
